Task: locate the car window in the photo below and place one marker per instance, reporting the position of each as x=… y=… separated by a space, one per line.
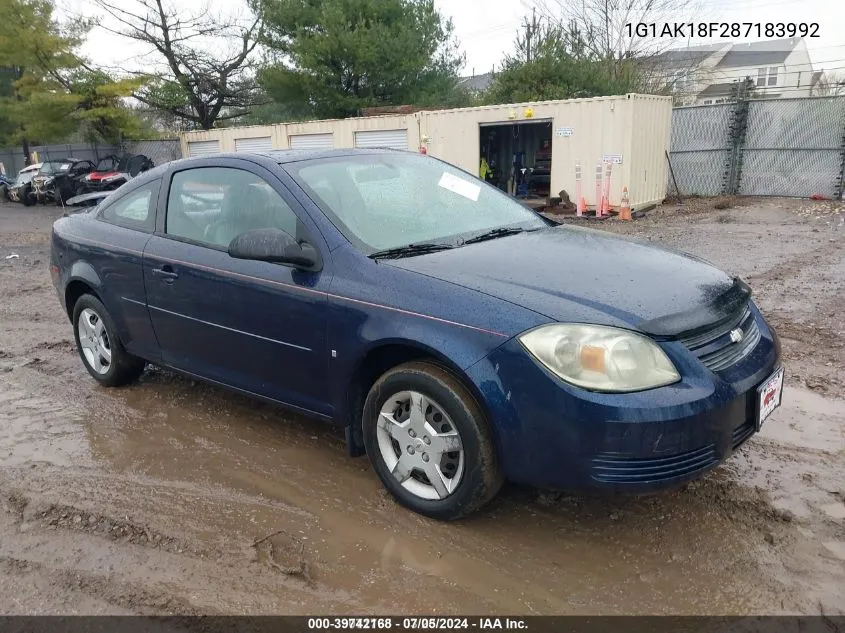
x=135 y=209
x=381 y=201
x=26 y=176
x=213 y=205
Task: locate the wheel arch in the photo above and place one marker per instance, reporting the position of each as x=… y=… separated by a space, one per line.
x=83 y=279
x=381 y=357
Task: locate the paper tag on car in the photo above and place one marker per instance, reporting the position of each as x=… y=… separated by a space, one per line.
x=460 y=186
x=64 y=167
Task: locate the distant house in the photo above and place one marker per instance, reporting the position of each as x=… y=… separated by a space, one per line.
x=476 y=84
x=682 y=71
x=703 y=75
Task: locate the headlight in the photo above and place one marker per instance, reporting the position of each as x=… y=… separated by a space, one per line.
x=600 y=358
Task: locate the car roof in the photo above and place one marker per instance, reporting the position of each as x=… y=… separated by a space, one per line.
x=69 y=159
x=280 y=156
x=283 y=156
x=151 y=174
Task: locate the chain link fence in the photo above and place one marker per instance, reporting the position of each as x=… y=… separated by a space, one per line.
x=13 y=158
x=700 y=148
x=783 y=147
x=159 y=150
x=793 y=147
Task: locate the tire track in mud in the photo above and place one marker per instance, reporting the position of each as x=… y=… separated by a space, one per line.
x=78 y=551
x=787 y=268
x=53 y=431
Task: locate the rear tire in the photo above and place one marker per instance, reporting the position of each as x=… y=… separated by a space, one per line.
x=430 y=442
x=99 y=347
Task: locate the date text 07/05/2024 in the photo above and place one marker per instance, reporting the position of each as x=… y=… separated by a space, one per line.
x=722 y=29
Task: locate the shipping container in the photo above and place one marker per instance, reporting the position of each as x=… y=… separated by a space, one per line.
x=627 y=134
x=530 y=149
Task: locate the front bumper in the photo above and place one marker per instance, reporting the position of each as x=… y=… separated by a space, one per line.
x=551 y=434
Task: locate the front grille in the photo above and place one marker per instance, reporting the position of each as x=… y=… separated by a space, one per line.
x=717 y=350
x=614 y=469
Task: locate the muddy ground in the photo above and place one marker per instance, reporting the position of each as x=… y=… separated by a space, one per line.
x=150 y=499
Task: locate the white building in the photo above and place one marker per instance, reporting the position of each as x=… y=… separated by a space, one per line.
x=708 y=74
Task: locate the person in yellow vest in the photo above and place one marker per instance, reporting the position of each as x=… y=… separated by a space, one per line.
x=484 y=169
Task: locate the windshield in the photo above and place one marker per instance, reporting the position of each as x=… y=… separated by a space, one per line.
x=384 y=201
x=52 y=167
x=109 y=163
x=26 y=176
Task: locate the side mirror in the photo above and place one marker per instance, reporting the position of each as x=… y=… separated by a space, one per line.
x=277 y=246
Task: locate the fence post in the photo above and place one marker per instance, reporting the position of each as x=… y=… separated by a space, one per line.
x=839 y=187
x=736 y=136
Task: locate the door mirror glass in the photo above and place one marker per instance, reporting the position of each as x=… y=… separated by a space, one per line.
x=275 y=245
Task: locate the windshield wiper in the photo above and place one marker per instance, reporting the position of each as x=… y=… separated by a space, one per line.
x=492 y=235
x=409 y=250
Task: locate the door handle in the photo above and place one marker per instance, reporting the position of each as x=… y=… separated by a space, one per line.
x=167 y=272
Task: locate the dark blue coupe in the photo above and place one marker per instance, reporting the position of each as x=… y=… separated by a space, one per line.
x=459 y=337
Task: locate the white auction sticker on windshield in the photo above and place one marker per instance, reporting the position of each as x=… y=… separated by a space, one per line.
x=64 y=167
x=460 y=186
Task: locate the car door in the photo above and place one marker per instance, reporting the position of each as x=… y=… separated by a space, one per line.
x=256 y=326
x=111 y=250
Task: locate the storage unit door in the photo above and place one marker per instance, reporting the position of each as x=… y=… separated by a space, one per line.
x=203 y=148
x=311 y=141
x=394 y=139
x=255 y=144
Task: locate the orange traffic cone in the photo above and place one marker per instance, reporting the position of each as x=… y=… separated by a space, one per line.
x=625 y=206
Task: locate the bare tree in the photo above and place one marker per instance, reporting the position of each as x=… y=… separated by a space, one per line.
x=620 y=33
x=609 y=27
x=530 y=37
x=206 y=62
x=830 y=85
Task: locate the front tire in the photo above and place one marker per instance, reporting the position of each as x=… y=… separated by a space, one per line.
x=429 y=442
x=98 y=345
x=25 y=196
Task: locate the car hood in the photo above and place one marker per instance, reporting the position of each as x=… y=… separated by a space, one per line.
x=101 y=175
x=585 y=275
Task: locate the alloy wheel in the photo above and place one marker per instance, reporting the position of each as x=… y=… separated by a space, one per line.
x=420 y=445
x=94 y=341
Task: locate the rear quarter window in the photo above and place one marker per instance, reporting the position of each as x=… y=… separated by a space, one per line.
x=134 y=210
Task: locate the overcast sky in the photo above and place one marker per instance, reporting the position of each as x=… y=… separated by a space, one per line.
x=486 y=28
